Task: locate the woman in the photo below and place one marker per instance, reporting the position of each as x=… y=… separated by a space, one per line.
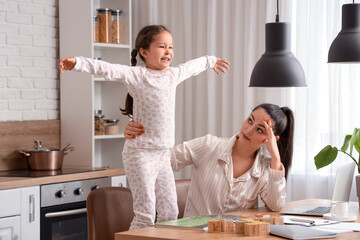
x=230 y=173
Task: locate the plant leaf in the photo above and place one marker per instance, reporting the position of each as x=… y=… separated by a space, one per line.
x=357 y=145
x=346 y=143
x=353 y=139
x=326 y=156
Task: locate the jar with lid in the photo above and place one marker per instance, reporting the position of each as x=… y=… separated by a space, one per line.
x=116 y=26
x=96 y=28
x=104 y=15
x=112 y=126
x=99 y=122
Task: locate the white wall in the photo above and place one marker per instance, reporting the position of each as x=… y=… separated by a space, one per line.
x=29 y=52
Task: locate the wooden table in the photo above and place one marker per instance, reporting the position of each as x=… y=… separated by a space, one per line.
x=170 y=233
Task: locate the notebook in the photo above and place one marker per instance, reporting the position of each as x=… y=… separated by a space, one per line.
x=299 y=232
x=342 y=187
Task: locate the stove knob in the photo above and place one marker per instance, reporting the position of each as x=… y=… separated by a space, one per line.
x=60 y=194
x=78 y=191
x=94 y=187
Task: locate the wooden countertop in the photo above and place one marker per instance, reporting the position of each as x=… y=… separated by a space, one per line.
x=17 y=182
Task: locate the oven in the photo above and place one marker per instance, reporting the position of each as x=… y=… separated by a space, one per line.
x=63 y=208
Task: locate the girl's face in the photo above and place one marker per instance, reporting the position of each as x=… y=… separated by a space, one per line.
x=160 y=53
x=253 y=131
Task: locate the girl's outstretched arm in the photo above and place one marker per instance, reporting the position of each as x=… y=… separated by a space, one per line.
x=66 y=64
x=220 y=65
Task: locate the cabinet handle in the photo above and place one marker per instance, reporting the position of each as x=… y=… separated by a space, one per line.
x=31 y=208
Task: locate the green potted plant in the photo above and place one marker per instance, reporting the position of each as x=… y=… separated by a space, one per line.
x=329 y=153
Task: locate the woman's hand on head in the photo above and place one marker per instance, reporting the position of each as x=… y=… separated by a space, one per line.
x=271 y=145
x=220 y=65
x=66 y=64
x=133 y=129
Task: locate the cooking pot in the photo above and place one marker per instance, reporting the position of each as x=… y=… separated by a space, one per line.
x=41 y=158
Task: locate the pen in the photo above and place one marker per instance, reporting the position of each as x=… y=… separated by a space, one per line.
x=303 y=220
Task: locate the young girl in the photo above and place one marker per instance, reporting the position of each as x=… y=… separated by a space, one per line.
x=152 y=87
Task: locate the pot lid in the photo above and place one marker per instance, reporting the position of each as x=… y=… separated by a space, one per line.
x=38 y=147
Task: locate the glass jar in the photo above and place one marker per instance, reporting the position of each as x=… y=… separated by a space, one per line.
x=112 y=126
x=116 y=27
x=96 y=28
x=104 y=15
x=99 y=122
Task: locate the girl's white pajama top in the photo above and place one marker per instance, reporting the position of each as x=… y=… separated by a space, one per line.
x=153 y=94
x=214 y=190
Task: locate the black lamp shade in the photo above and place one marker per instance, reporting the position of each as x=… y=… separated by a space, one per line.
x=277 y=67
x=346 y=46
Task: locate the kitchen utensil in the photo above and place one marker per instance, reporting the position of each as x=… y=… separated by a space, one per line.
x=65 y=147
x=41 y=158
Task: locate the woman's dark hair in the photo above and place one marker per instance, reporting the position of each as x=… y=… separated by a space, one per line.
x=283 y=126
x=143 y=40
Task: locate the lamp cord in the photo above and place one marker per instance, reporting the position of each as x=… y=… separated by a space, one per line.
x=277 y=11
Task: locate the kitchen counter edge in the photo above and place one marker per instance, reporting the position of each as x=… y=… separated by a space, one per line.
x=18 y=182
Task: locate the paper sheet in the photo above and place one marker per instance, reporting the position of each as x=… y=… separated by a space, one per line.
x=340 y=227
x=289 y=219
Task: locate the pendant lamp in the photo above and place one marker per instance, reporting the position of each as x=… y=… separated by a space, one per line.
x=277 y=67
x=346 y=46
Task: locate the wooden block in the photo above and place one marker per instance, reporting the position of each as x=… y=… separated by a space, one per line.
x=240 y=226
x=267 y=219
x=277 y=220
x=262 y=215
x=247 y=219
x=251 y=229
x=214 y=226
x=227 y=225
x=264 y=228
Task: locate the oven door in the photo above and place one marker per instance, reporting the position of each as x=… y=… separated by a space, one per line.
x=67 y=221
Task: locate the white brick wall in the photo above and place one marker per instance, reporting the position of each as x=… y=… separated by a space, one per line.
x=29 y=55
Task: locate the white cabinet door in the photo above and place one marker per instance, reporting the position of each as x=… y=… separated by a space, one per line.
x=10 y=228
x=118 y=181
x=9 y=202
x=30 y=213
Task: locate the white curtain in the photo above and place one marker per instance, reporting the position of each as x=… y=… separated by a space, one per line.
x=326 y=109
x=235 y=30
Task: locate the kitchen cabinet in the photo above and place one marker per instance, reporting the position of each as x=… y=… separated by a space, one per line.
x=119 y=181
x=10 y=210
x=10 y=228
x=20 y=213
x=81 y=94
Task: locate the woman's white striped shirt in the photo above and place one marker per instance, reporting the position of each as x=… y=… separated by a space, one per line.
x=213 y=188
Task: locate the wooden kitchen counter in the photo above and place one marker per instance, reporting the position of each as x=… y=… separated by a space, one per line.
x=18 y=182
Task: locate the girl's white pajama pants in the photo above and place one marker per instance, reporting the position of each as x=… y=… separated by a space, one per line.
x=152 y=184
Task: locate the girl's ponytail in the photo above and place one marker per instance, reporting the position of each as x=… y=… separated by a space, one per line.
x=133 y=57
x=128 y=110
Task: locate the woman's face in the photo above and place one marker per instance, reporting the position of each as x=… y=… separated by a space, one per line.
x=253 y=131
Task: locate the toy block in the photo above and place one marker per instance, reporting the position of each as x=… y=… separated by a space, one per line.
x=267 y=219
x=240 y=226
x=277 y=220
x=264 y=228
x=214 y=226
x=251 y=229
x=227 y=225
x=262 y=215
x=246 y=216
x=246 y=219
